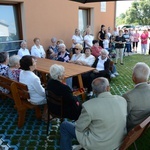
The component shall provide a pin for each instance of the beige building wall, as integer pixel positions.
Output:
(59, 18)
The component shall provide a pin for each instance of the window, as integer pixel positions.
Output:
(84, 18)
(10, 27)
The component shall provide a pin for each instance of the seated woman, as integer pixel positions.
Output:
(4, 59)
(86, 59)
(78, 48)
(37, 50)
(14, 71)
(72, 107)
(27, 76)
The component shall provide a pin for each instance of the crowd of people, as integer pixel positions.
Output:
(96, 117)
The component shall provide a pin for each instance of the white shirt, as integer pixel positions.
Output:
(22, 52)
(36, 91)
(87, 60)
(106, 43)
(100, 64)
(88, 39)
(77, 39)
(38, 52)
(76, 57)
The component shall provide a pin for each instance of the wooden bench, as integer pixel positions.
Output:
(19, 93)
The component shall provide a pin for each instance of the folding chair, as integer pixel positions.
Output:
(54, 101)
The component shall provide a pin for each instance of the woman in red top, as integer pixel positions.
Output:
(144, 40)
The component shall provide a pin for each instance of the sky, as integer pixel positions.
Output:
(122, 6)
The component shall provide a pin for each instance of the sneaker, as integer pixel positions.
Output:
(90, 93)
(76, 147)
(116, 74)
(112, 76)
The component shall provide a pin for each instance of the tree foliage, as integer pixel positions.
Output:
(138, 13)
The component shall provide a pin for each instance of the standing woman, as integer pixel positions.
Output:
(136, 36)
(88, 38)
(119, 45)
(101, 35)
(144, 41)
(37, 50)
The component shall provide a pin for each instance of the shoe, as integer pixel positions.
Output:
(112, 76)
(116, 74)
(121, 63)
(76, 147)
(90, 93)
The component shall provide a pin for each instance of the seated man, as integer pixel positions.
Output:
(102, 123)
(138, 99)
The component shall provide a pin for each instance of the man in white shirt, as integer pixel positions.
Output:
(23, 50)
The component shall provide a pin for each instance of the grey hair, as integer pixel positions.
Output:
(104, 51)
(14, 60)
(62, 45)
(56, 71)
(23, 42)
(141, 71)
(99, 85)
(53, 39)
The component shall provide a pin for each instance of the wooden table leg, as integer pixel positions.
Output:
(81, 85)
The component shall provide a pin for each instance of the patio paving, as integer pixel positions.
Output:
(32, 136)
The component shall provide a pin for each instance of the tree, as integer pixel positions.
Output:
(138, 13)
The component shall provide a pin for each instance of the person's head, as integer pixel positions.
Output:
(4, 58)
(141, 73)
(62, 47)
(23, 44)
(126, 31)
(78, 48)
(100, 85)
(120, 32)
(106, 36)
(14, 61)
(53, 41)
(36, 41)
(88, 31)
(27, 63)
(60, 42)
(95, 43)
(102, 27)
(87, 51)
(57, 72)
(104, 54)
(77, 32)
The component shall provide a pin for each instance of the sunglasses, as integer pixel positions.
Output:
(76, 49)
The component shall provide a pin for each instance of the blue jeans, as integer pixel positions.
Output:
(128, 47)
(67, 133)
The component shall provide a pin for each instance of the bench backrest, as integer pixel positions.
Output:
(134, 134)
(5, 86)
(20, 93)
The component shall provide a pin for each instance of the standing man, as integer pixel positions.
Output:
(138, 99)
(102, 123)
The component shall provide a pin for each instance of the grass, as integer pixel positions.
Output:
(33, 135)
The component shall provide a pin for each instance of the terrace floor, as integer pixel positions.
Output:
(32, 136)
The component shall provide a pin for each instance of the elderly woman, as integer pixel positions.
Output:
(72, 107)
(63, 55)
(23, 50)
(78, 48)
(88, 38)
(86, 59)
(37, 50)
(14, 71)
(4, 59)
(77, 38)
(27, 76)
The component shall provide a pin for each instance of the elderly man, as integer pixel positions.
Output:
(138, 99)
(102, 123)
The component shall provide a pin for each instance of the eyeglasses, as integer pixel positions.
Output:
(76, 49)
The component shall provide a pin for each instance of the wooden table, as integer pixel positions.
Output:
(43, 66)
